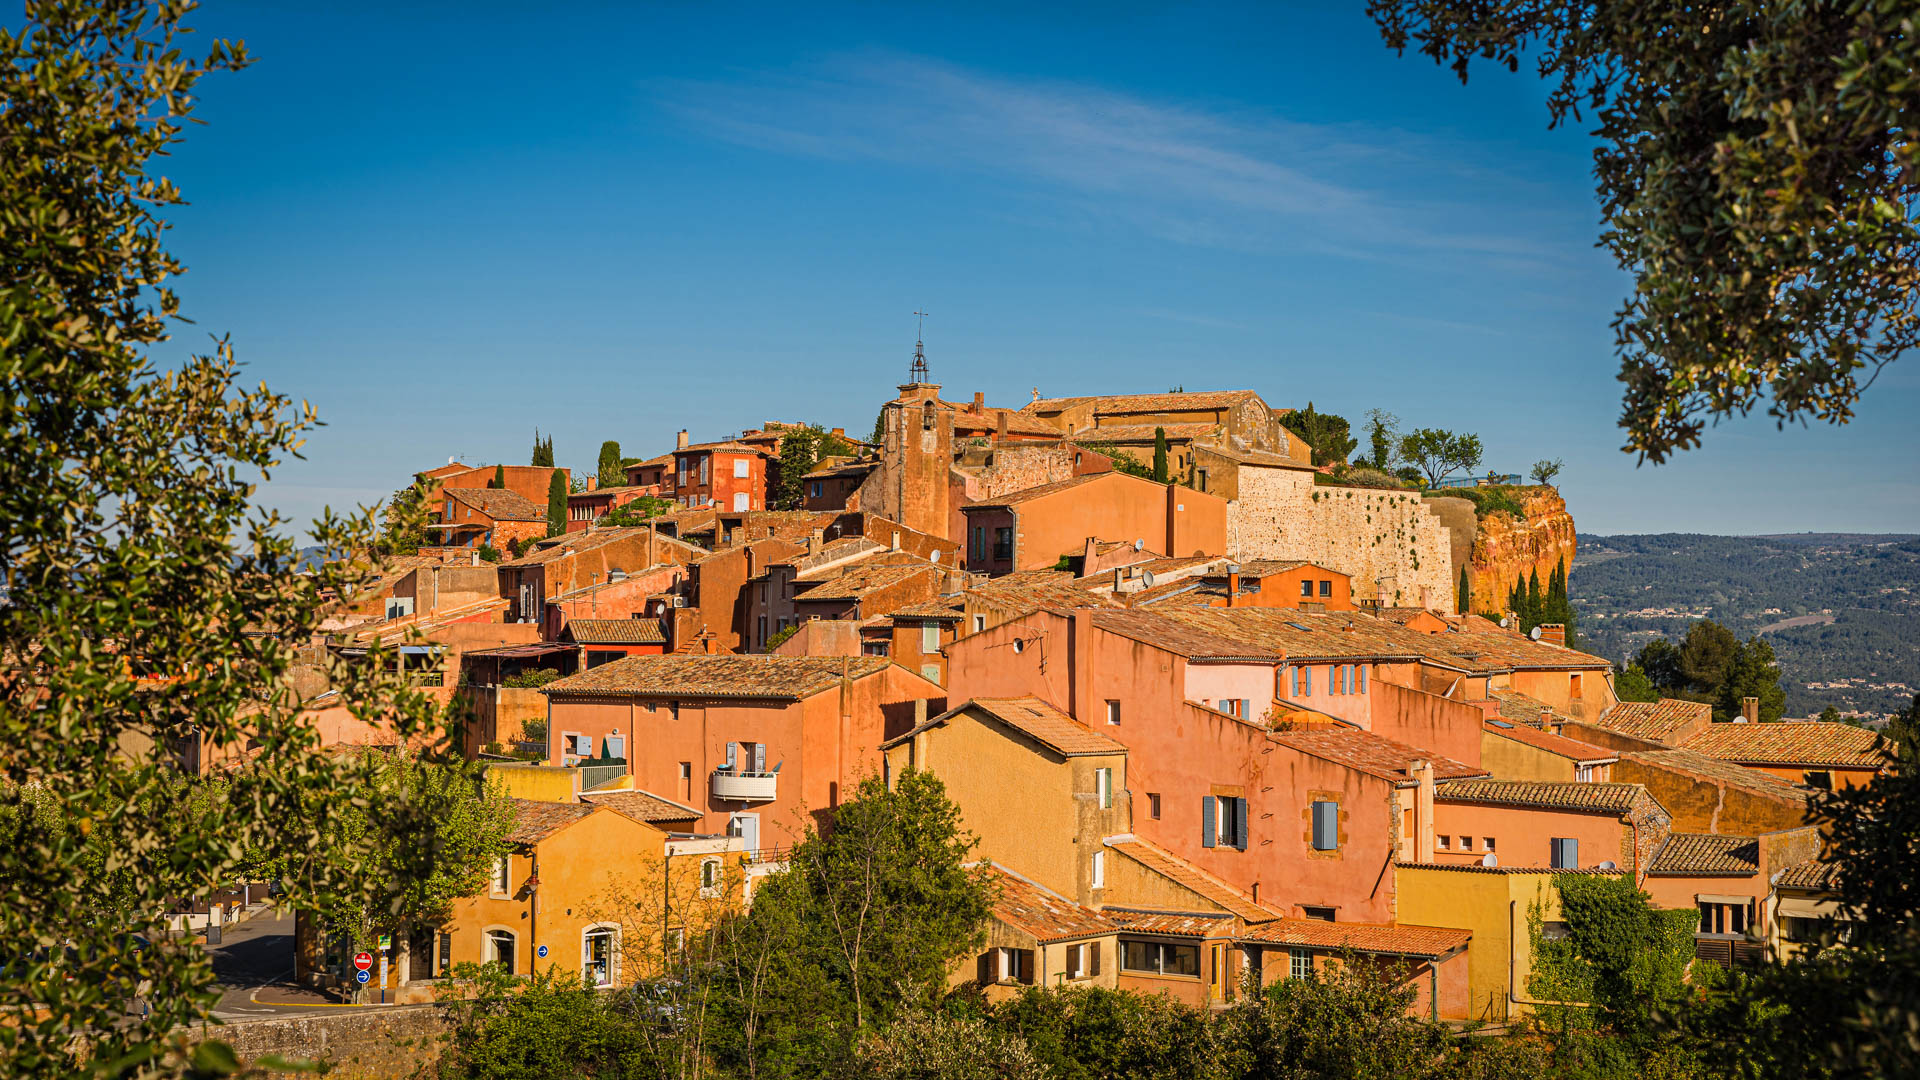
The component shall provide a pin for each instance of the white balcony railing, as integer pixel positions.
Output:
(745, 786)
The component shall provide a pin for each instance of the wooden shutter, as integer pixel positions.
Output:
(733, 754)
(759, 757)
(1026, 965)
(1240, 824)
(985, 965)
(1093, 957)
(1206, 820)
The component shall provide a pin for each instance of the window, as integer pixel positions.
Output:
(1160, 958)
(1083, 960)
(1326, 588)
(1153, 805)
(1103, 788)
(740, 468)
(1223, 822)
(979, 547)
(740, 502)
(979, 623)
(1002, 965)
(1321, 914)
(1200, 479)
(502, 883)
(1487, 843)
(577, 744)
(1565, 853)
(1442, 841)
(500, 948)
(1299, 963)
(1466, 843)
(443, 955)
(710, 877)
(815, 489)
(929, 637)
(1113, 711)
(1574, 682)
(1724, 919)
(1099, 870)
(1306, 588)
(686, 780)
(598, 951)
(1003, 543)
(1326, 825)
(1582, 774)
(703, 468)
(1820, 778)
(930, 672)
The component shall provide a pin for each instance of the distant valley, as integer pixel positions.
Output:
(1841, 610)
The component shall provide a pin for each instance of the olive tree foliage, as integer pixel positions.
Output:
(1758, 175)
(1439, 454)
(150, 613)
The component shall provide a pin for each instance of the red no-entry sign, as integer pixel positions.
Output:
(363, 961)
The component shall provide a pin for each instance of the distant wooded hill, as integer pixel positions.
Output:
(1842, 610)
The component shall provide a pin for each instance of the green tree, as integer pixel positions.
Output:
(1123, 462)
(879, 428)
(801, 450)
(130, 548)
(635, 511)
(403, 518)
(611, 473)
(1439, 454)
(1903, 731)
(1383, 439)
(1757, 175)
(867, 919)
(1660, 660)
(1751, 671)
(1159, 455)
(932, 1044)
(1534, 603)
(1088, 1033)
(1634, 684)
(1463, 594)
(1545, 471)
(557, 503)
(542, 451)
(551, 1025)
(1831, 715)
(499, 477)
(1328, 436)
(1705, 654)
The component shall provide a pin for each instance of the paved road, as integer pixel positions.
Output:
(254, 963)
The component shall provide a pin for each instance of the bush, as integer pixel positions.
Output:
(780, 636)
(1361, 476)
(489, 553)
(1486, 501)
(528, 680)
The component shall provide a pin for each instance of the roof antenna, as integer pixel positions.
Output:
(918, 372)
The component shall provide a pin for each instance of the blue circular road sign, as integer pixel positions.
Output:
(542, 950)
(363, 976)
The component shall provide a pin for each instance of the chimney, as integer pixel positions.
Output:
(1749, 710)
(979, 401)
(1001, 431)
(1233, 586)
(680, 441)
(815, 541)
(1553, 633)
(919, 711)
(1080, 666)
(896, 540)
(840, 432)
(593, 482)
(1422, 771)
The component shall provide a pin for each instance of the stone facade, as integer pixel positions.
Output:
(354, 1043)
(1388, 541)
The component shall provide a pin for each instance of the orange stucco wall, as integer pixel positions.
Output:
(1115, 506)
(1522, 835)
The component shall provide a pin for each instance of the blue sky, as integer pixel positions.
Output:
(447, 225)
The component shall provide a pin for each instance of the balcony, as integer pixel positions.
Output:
(745, 786)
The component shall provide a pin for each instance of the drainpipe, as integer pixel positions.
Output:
(533, 914)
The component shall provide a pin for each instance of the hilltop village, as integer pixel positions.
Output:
(1214, 716)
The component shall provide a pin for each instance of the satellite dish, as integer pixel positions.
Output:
(1146, 577)
(1489, 859)
(1503, 620)
(1139, 545)
(1534, 633)
(1608, 865)
(1233, 568)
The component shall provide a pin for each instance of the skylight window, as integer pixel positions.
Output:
(1297, 626)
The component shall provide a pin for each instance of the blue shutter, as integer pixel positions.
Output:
(1363, 678)
(1326, 825)
(1246, 708)
(1293, 678)
(1206, 821)
(1240, 824)
(1306, 681)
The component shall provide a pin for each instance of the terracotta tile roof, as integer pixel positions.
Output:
(1724, 772)
(1032, 717)
(1109, 404)
(1169, 923)
(616, 631)
(844, 468)
(1308, 636)
(1516, 706)
(1543, 795)
(1478, 868)
(500, 504)
(1812, 743)
(1372, 754)
(1042, 913)
(940, 607)
(574, 543)
(1040, 491)
(645, 806)
(451, 468)
(1169, 628)
(858, 580)
(1049, 726)
(781, 678)
(1258, 457)
(1142, 433)
(726, 446)
(1031, 590)
(1387, 939)
(1185, 874)
(535, 821)
(1812, 874)
(1654, 720)
(1572, 749)
(1706, 854)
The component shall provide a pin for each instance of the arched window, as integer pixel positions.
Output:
(500, 948)
(710, 877)
(600, 955)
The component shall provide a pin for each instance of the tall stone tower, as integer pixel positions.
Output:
(918, 453)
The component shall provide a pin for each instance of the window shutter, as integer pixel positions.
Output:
(1293, 681)
(759, 757)
(1246, 708)
(985, 973)
(1093, 957)
(1326, 826)
(1240, 824)
(1206, 821)
(617, 746)
(1026, 965)
(733, 755)
(1363, 678)
(1306, 681)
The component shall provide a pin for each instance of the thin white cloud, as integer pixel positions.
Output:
(1209, 177)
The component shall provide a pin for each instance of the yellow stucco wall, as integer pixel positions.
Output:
(1507, 759)
(1494, 907)
(538, 783)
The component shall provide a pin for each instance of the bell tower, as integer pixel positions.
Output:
(918, 449)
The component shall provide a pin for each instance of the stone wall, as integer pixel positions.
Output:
(367, 1043)
(1388, 541)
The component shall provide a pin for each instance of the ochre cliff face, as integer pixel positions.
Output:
(1506, 551)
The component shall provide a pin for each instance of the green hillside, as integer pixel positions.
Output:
(1841, 610)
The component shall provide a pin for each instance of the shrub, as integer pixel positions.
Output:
(1486, 501)
(489, 553)
(1362, 476)
(781, 636)
(528, 680)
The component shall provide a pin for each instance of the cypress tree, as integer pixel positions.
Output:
(611, 474)
(1463, 601)
(1159, 455)
(1534, 601)
(499, 477)
(557, 504)
(542, 450)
